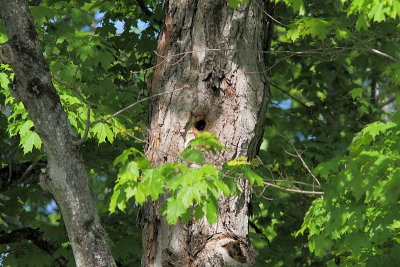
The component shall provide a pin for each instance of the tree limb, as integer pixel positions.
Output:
(20, 174)
(33, 235)
(144, 8)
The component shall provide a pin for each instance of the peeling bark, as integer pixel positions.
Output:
(66, 174)
(215, 54)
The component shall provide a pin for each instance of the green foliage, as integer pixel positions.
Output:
(334, 70)
(296, 5)
(191, 189)
(87, 59)
(357, 218)
(334, 74)
(377, 11)
(236, 3)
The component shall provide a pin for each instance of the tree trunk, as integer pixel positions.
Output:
(212, 57)
(66, 176)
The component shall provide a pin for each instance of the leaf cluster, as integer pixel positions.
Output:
(192, 186)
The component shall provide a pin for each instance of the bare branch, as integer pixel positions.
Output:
(304, 164)
(271, 182)
(286, 93)
(134, 104)
(290, 182)
(376, 51)
(269, 16)
(294, 190)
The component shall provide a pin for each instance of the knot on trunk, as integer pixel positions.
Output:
(6, 54)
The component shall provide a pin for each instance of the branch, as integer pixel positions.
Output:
(294, 190)
(304, 164)
(270, 16)
(90, 124)
(286, 93)
(28, 233)
(144, 8)
(259, 231)
(290, 182)
(33, 235)
(19, 174)
(86, 132)
(376, 51)
(134, 104)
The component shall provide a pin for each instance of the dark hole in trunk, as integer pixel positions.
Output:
(200, 125)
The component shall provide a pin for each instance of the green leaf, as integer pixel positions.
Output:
(223, 187)
(103, 131)
(174, 209)
(193, 155)
(153, 181)
(207, 141)
(189, 194)
(113, 202)
(25, 128)
(234, 3)
(356, 92)
(105, 60)
(30, 140)
(4, 81)
(116, 198)
(141, 193)
(253, 177)
(238, 162)
(375, 128)
(362, 23)
(198, 212)
(316, 27)
(377, 12)
(326, 168)
(210, 210)
(128, 172)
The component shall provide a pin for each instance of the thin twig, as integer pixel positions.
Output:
(86, 132)
(90, 124)
(286, 93)
(290, 182)
(28, 170)
(304, 163)
(134, 104)
(294, 190)
(89, 106)
(127, 133)
(269, 16)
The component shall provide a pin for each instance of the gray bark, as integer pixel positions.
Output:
(211, 55)
(66, 177)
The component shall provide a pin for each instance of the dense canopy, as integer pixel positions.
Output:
(325, 181)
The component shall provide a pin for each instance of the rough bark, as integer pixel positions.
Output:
(66, 176)
(213, 54)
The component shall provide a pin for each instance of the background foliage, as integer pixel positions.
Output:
(332, 126)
